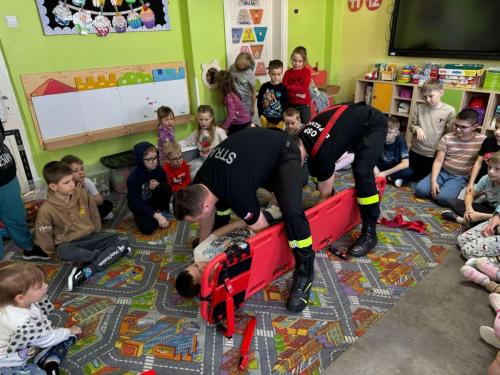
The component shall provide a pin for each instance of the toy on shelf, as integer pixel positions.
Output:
(479, 103)
(373, 73)
(387, 72)
(405, 93)
(405, 75)
(422, 74)
(462, 75)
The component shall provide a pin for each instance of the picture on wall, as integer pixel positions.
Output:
(248, 29)
(102, 17)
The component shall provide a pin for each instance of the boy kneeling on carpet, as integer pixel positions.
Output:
(68, 224)
(24, 325)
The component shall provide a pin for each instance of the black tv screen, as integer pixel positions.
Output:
(446, 28)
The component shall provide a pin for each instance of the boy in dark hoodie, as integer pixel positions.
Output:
(68, 224)
(148, 193)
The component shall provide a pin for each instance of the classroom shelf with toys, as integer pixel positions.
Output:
(400, 99)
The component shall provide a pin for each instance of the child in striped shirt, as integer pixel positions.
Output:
(457, 153)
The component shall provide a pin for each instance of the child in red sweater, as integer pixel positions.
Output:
(297, 81)
(175, 167)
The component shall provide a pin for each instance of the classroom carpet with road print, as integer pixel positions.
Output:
(133, 320)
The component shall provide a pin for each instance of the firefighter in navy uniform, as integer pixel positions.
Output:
(229, 178)
(362, 130)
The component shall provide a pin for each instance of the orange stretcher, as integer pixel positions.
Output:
(247, 267)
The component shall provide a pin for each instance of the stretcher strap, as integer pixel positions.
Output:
(328, 127)
(245, 344)
(398, 222)
(229, 329)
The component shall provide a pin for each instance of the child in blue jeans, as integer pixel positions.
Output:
(12, 211)
(456, 155)
(394, 163)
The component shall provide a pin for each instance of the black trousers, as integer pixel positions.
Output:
(286, 184)
(160, 201)
(458, 206)
(105, 208)
(367, 153)
(421, 166)
(97, 249)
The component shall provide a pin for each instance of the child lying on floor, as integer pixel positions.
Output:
(188, 281)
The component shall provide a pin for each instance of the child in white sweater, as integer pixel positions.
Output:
(24, 325)
(205, 138)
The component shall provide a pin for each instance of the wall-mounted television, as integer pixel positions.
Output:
(446, 28)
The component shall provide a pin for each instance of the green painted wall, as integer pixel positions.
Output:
(307, 28)
(26, 50)
(365, 40)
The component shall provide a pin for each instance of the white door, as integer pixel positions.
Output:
(259, 27)
(15, 135)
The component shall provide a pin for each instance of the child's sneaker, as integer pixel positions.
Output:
(76, 277)
(35, 253)
(398, 183)
(488, 335)
(108, 217)
(54, 354)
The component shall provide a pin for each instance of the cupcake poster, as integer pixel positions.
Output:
(102, 17)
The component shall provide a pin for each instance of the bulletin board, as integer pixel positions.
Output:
(83, 106)
(247, 24)
(51, 26)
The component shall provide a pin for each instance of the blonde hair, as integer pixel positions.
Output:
(205, 108)
(291, 112)
(432, 84)
(171, 148)
(495, 158)
(243, 61)
(17, 278)
(393, 123)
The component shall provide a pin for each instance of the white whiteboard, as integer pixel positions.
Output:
(163, 92)
(79, 112)
(139, 102)
(108, 113)
(59, 115)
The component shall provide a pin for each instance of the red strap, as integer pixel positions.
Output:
(229, 309)
(245, 344)
(398, 222)
(340, 109)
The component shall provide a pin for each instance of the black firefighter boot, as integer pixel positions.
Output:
(303, 277)
(365, 242)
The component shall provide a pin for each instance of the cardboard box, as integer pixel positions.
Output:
(460, 72)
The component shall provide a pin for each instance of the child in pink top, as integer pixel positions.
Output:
(238, 117)
(297, 81)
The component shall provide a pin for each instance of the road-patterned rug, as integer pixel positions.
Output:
(133, 320)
